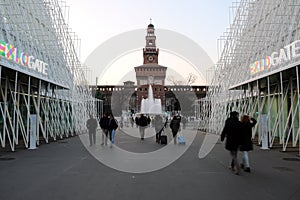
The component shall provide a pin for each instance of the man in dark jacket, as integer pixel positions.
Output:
(112, 126)
(232, 132)
(143, 123)
(91, 125)
(104, 126)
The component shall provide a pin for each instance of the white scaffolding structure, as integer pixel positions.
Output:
(61, 100)
(250, 78)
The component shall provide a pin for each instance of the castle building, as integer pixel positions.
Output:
(128, 97)
(150, 73)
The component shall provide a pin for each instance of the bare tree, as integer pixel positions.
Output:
(174, 81)
(190, 79)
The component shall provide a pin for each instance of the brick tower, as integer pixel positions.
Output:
(150, 72)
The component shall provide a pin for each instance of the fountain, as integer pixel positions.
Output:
(151, 105)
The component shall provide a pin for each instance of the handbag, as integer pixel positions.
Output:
(163, 137)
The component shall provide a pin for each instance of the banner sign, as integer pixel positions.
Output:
(12, 53)
(276, 58)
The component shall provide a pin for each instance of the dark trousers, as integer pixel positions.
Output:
(92, 137)
(234, 161)
(174, 132)
(158, 134)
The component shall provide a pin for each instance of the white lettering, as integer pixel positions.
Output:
(37, 65)
(288, 51)
(16, 58)
(282, 56)
(285, 54)
(45, 69)
(21, 58)
(13, 53)
(295, 50)
(31, 64)
(274, 60)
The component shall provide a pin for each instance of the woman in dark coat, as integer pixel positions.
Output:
(246, 140)
(232, 132)
(175, 126)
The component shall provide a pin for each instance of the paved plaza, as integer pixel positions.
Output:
(66, 170)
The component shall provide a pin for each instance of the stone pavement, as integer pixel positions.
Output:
(66, 169)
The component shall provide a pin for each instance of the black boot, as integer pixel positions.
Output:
(247, 169)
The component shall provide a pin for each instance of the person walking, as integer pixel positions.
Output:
(136, 119)
(158, 126)
(131, 121)
(91, 125)
(112, 126)
(232, 132)
(175, 125)
(149, 121)
(166, 122)
(104, 126)
(184, 121)
(246, 140)
(143, 123)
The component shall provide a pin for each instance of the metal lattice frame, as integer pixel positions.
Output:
(257, 29)
(62, 101)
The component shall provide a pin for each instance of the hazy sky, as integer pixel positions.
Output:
(95, 21)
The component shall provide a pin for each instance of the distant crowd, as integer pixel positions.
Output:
(109, 125)
(238, 133)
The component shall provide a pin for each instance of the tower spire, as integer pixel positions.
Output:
(150, 52)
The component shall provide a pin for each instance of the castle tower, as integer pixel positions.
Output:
(150, 72)
(150, 52)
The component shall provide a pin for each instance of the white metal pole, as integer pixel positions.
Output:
(269, 110)
(15, 137)
(28, 108)
(281, 132)
(298, 88)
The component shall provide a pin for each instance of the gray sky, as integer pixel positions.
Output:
(95, 21)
